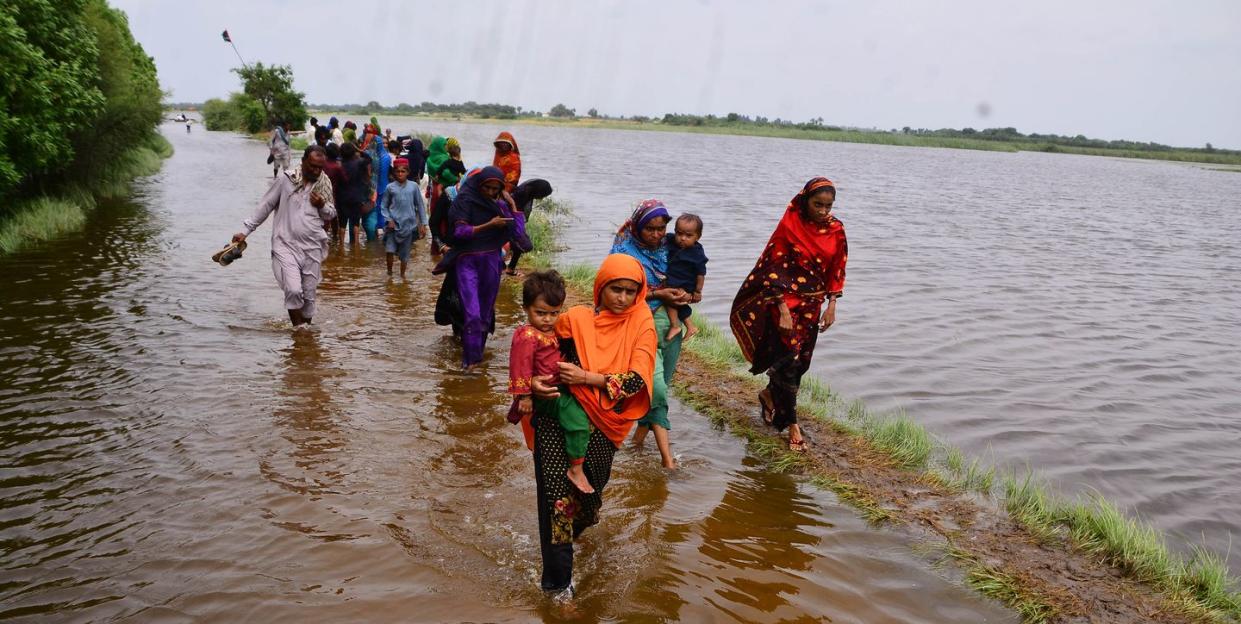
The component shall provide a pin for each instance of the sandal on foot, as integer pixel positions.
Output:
(799, 446)
(768, 412)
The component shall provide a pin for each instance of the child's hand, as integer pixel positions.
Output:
(525, 405)
(695, 297)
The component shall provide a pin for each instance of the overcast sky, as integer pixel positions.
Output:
(1165, 71)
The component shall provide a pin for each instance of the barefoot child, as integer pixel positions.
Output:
(535, 353)
(406, 216)
(687, 269)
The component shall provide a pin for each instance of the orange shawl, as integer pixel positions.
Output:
(509, 163)
(612, 344)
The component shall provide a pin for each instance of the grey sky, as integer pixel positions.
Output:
(1166, 71)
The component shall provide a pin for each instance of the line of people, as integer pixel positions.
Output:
(584, 380)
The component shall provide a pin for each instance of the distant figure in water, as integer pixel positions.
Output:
(508, 159)
(607, 350)
(779, 311)
(302, 201)
(279, 144)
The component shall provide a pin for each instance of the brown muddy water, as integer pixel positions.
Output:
(170, 451)
(1073, 314)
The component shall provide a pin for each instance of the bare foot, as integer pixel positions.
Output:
(670, 463)
(577, 477)
(691, 332)
(672, 332)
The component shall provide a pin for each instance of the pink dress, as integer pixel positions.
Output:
(532, 354)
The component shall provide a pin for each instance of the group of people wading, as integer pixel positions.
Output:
(608, 364)
(584, 379)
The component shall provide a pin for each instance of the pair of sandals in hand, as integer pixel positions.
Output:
(798, 445)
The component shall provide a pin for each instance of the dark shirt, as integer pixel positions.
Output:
(357, 183)
(684, 265)
(336, 174)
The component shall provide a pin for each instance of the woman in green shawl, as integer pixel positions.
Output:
(445, 171)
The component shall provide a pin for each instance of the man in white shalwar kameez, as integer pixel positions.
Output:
(302, 201)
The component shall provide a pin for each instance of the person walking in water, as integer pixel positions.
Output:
(279, 143)
(302, 201)
(406, 216)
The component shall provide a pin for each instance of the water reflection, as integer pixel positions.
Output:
(307, 417)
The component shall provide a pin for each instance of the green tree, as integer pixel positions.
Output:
(593, 113)
(130, 87)
(272, 87)
(49, 87)
(560, 110)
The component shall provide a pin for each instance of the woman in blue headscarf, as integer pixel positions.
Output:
(642, 237)
(481, 220)
(381, 162)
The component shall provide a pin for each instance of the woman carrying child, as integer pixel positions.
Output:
(642, 238)
(606, 373)
(779, 311)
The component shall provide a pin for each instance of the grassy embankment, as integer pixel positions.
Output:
(38, 219)
(1197, 587)
(853, 136)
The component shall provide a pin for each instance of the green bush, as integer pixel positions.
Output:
(241, 113)
(81, 104)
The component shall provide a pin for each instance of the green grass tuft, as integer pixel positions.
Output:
(39, 220)
(905, 441)
(1007, 589)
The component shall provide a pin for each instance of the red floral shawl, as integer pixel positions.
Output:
(803, 263)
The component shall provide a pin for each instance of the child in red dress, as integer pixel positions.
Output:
(536, 352)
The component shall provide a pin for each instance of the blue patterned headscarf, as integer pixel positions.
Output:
(654, 260)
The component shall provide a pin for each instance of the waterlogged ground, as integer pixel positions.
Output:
(1079, 315)
(172, 452)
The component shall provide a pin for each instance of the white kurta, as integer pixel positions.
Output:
(298, 241)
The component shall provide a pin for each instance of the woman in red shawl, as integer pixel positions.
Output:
(508, 159)
(779, 311)
(607, 366)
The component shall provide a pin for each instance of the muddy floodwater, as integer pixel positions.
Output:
(171, 451)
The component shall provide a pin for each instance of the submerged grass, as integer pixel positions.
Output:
(35, 220)
(1199, 585)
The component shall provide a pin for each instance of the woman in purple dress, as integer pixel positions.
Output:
(481, 221)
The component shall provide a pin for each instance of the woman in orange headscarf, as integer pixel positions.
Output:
(779, 311)
(606, 373)
(508, 159)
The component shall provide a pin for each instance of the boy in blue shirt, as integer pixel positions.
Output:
(406, 216)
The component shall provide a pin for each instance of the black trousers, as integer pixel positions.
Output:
(563, 511)
(784, 380)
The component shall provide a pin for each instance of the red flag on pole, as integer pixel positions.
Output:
(226, 38)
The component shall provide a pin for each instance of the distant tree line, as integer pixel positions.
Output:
(77, 92)
(1007, 135)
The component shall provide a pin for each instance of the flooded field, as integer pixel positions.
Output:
(1077, 315)
(172, 452)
